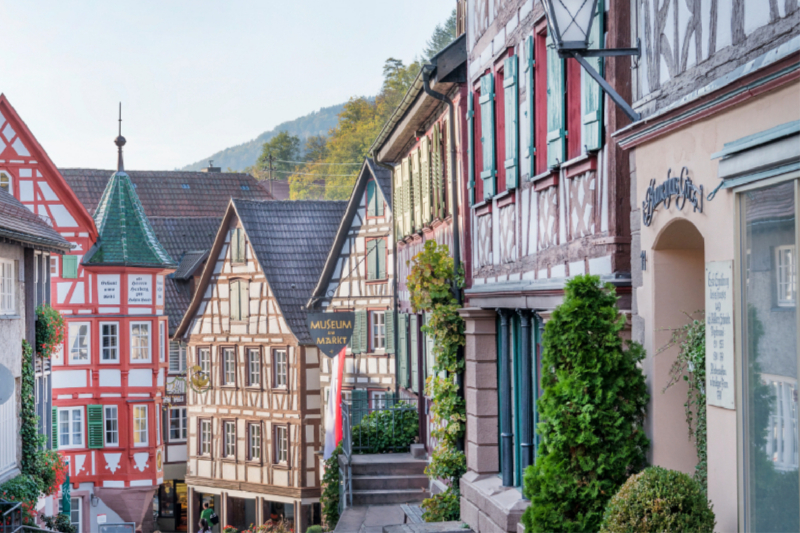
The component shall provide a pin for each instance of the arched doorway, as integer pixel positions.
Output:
(678, 272)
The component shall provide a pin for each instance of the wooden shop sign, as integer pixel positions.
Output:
(331, 331)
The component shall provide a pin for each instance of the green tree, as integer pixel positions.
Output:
(443, 35)
(592, 412)
(283, 147)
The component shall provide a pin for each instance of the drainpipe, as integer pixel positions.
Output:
(426, 77)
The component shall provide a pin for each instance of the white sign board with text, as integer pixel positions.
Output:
(140, 289)
(108, 289)
(159, 290)
(719, 334)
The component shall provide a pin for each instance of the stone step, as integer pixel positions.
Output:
(389, 464)
(431, 527)
(383, 497)
(382, 482)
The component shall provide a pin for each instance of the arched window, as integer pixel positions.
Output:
(6, 183)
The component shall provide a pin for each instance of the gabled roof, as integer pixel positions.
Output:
(291, 240)
(383, 177)
(189, 263)
(59, 186)
(18, 224)
(126, 237)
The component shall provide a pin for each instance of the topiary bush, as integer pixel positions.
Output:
(658, 500)
(592, 411)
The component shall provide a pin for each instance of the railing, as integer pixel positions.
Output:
(380, 427)
(11, 520)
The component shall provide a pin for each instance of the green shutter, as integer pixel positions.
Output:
(378, 201)
(416, 190)
(358, 342)
(372, 270)
(556, 136)
(234, 301)
(94, 419)
(397, 199)
(54, 432)
(425, 178)
(529, 63)
(511, 98)
(371, 209)
(69, 267)
(414, 352)
(406, 197)
(364, 331)
(402, 350)
(380, 251)
(436, 173)
(388, 320)
(489, 172)
(591, 91)
(360, 405)
(471, 148)
(430, 357)
(391, 399)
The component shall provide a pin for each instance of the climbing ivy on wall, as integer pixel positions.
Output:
(430, 284)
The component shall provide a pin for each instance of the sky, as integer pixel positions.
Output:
(196, 76)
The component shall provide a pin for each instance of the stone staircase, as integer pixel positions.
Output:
(384, 479)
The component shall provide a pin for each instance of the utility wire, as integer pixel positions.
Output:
(313, 174)
(314, 163)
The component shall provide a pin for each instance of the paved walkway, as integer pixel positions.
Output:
(369, 518)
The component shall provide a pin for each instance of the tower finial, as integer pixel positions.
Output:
(120, 142)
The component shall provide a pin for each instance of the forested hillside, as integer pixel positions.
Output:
(246, 154)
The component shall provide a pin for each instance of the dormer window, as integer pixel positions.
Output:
(184, 185)
(245, 187)
(6, 183)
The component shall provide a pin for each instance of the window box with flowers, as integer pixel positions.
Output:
(50, 330)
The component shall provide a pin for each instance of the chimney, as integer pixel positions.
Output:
(211, 167)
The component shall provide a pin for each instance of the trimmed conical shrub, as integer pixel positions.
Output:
(592, 411)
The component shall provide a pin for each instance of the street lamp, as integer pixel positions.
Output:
(570, 22)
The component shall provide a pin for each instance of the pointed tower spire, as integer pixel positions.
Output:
(120, 142)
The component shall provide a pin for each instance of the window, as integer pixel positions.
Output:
(70, 427)
(157, 413)
(280, 368)
(205, 437)
(140, 342)
(378, 330)
(376, 259)
(378, 399)
(140, 425)
(5, 183)
(177, 357)
(204, 361)
(374, 200)
(53, 265)
(281, 445)
(109, 342)
(254, 367)
(9, 418)
(177, 423)
(162, 336)
(75, 512)
(79, 334)
(7, 288)
(111, 425)
(240, 299)
(69, 267)
(229, 366)
(238, 246)
(787, 276)
(230, 439)
(254, 442)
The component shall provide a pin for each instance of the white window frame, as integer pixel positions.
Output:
(177, 353)
(116, 345)
(10, 181)
(88, 337)
(377, 399)
(280, 368)
(8, 288)
(181, 426)
(206, 431)
(205, 366)
(225, 370)
(782, 443)
(149, 346)
(250, 362)
(162, 338)
(76, 504)
(106, 430)
(70, 429)
(254, 441)
(281, 445)
(137, 432)
(377, 331)
(786, 275)
(229, 436)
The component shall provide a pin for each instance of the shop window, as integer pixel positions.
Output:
(769, 358)
(109, 342)
(7, 288)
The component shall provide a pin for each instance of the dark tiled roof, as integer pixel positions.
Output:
(164, 193)
(125, 234)
(291, 241)
(19, 224)
(177, 297)
(189, 263)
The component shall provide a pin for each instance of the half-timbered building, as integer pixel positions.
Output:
(359, 276)
(422, 142)
(254, 406)
(548, 200)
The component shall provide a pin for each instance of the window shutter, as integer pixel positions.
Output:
(402, 350)
(371, 211)
(94, 419)
(397, 199)
(556, 145)
(436, 173)
(69, 267)
(244, 300)
(54, 430)
(425, 178)
(242, 246)
(414, 352)
(488, 174)
(529, 63)
(234, 245)
(234, 301)
(372, 270)
(359, 329)
(407, 224)
(416, 191)
(380, 251)
(592, 93)
(471, 148)
(364, 330)
(360, 405)
(511, 99)
(391, 399)
(378, 201)
(430, 356)
(389, 321)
